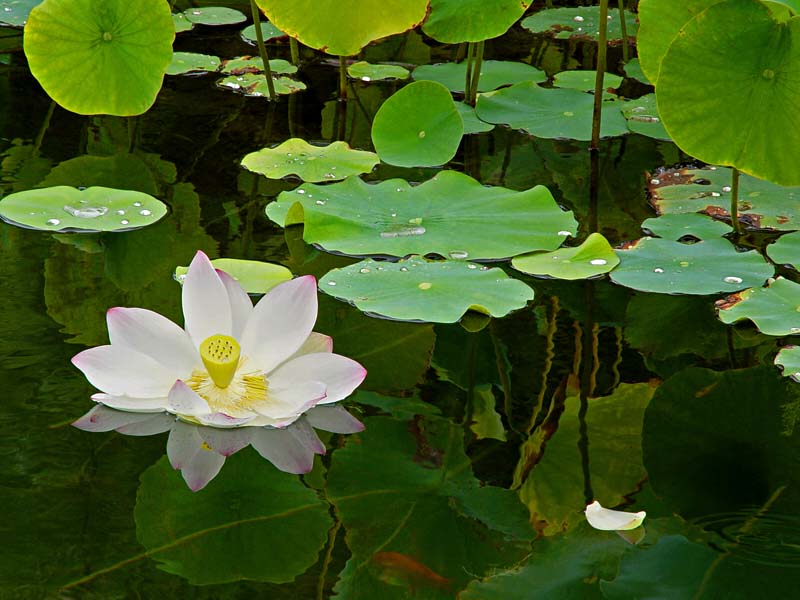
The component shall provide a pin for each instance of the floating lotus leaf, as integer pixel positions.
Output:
(775, 309)
(786, 251)
(181, 23)
(549, 113)
(100, 57)
(494, 74)
(15, 12)
(633, 70)
(709, 266)
(310, 163)
(339, 29)
(420, 290)
(675, 227)
(456, 21)
(762, 205)
(788, 359)
(642, 117)
(754, 89)
(254, 64)
(254, 84)
(472, 124)
(191, 62)
(214, 15)
(268, 31)
(584, 80)
(579, 23)
(63, 208)
(368, 72)
(254, 276)
(418, 126)
(593, 257)
(451, 215)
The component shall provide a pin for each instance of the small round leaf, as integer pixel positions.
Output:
(254, 276)
(456, 21)
(775, 309)
(593, 257)
(368, 72)
(191, 62)
(494, 74)
(214, 15)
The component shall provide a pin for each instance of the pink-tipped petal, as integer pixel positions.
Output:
(206, 308)
(333, 418)
(241, 305)
(291, 401)
(281, 322)
(219, 419)
(101, 418)
(340, 374)
(226, 441)
(283, 449)
(305, 434)
(183, 400)
(143, 405)
(315, 342)
(156, 336)
(183, 443)
(120, 371)
(202, 468)
(154, 425)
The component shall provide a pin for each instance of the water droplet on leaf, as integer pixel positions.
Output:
(732, 279)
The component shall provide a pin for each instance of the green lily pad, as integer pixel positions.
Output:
(456, 21)
(579, 23)
(675, 227)
(472, 124)
(181, 23)
(254, 64)
(642, 117)
(584, 80)
(268, 30)
(63, 208)
(754, 89)
(15, 12)
(310, 163)
(775, 309)
(420, 290)
(549, 113)
(214, 15)
(494, 74)
(762, 205)
(418, 126)
(788, 359)
(368, 72)
(255, 85)
(328, 26)
(709, 266)
(191, 62)
(786, 251)
(94, 58)
(254, 276)
(452, 215)
(592, 258)
(633, 70)
(215, 537)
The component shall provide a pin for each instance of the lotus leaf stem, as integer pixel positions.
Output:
(468, 82)
(37, 144)
(624, 27)
(262, 49)
(737, 227)
(294, 48)
(602, 47)
(342, 79)
(476, 73)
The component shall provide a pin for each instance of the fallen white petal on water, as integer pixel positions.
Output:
(612, 520)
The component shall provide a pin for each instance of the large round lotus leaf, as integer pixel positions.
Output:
(774, 309)
(549, 113)
(100, 57)
(593, 257)
(584, 80)
(191, 62)
(706, 267)
(254, 84)
(472, 124)
(310, 163)
(788, 359)
(642, 117)
(418, 126)
(451, 215)
(343, 27)
(254, 276)
(420, 290)
(214, 15)
(762, 205)
(15, 12)
(494, 74)
(675, 227)
(268, 30)
(254, 64)
(368, 72)
(455, 21)
(755, 90)
(579, 22)
(63, 208)
(786, 251)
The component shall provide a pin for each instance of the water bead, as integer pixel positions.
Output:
(598, 262)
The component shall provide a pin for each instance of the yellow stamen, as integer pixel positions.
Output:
(220, 354)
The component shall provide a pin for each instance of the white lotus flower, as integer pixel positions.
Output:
(233, 366)
(612, 520)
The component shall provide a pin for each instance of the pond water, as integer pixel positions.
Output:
(481, 448)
